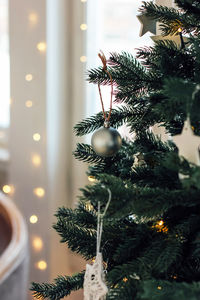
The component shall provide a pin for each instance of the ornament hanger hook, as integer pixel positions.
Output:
(104, 62)
(196, 90)
(109, 199)
(100, 219)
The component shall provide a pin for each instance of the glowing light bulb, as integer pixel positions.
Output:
(7, 189)
(159, 288)
(33, 18)
(88, 206)
(39, 192)
(92, 178)
(29, 77)
(83, 58)
(41, 265)
(36, 137)
(37, 243)
(41, 46)
(160, 223)
(180, 30)
(33, 219)
(36, 160)
(83, 26)
(29, 103)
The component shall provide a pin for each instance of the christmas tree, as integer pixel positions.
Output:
(151, 233)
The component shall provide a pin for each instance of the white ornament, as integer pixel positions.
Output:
(147, 24)
(188, 144)
(94, 284)
(94, 279)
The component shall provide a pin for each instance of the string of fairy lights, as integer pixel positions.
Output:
(35, 158)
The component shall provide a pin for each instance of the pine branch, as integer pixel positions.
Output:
(164, 290)
(123, 68)
(62, 287)
(81, 215)
(153, 202)
(189, 6)
(98, 75)
(145, 202)
(167, 59)
(86, 153)
(171, 18)
(131, 247)
(119, 116)
(126, 64)
(148, 142)
(130, 77)
(77, 237)
(123, 290)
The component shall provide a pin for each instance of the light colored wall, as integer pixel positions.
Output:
(57, 92)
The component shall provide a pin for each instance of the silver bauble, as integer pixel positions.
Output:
(106, 141)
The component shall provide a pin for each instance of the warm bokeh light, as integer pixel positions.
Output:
(41, 46)
(92, 178)
(39, 192)
(41, 265)
(89, 206)
(29, 77)
(36, 160)
(7, 189)
(160, 226)
(33, 18)
(36, 137)
(33, 219)
(37, 243)
(83, 0)
(159, 288)
(180, 30)
(29, 103)
(83, 58)
(83, 26)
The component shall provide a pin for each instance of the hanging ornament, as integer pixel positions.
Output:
(147, 24)
(94, 285)
(106, 141)
(94, 280)
(187, 142)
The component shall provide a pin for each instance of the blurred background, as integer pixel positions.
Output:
(46, 48)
